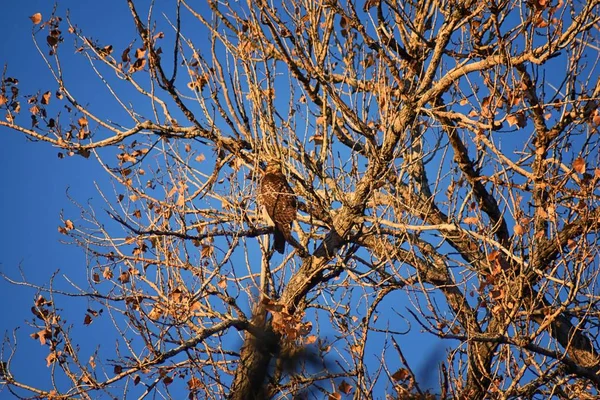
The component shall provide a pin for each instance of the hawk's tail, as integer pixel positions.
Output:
(279, 239)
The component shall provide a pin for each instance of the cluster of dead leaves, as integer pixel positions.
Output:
(54, 37)
(49, 330)
(180, 306)
(290, 326)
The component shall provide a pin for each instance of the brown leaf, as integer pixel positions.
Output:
(105, 51)
(310, 339)
(167, 380)
(36, 18)
(401, 375)
(46, 97)
(87, 319)
(82, 121)
(3, 99)
(117, 369)
(579, 165)
(124, 277)
(42, 335)
(334, 396)
(517, 119)
(96, 277)
(52, 41)
(107, 273)
(519, 230)
(206, 251)
(345, 387)
(69, 225)
(138, 65)
(471, 220)
(317, 138)
(141, 52)
(52, 357)
(223, 283)
(194, 384)
(125, 55)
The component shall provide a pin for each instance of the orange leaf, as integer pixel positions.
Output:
(107, 273)
(46, 97)
(222, 283)
(471, 220)
(52, 357)
(517, 119)
(345, 387)
(310, 339)
(194, 384)
(579, 165)
(400, 375)
(519, 230)
(36, 18)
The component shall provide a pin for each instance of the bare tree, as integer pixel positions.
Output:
(444, 156)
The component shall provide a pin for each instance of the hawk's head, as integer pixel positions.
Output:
(273, 167)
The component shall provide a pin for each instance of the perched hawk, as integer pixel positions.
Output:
(279, 203)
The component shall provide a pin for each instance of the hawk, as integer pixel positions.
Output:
(280, 205)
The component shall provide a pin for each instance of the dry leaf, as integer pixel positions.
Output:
(124, 277)
(519, 230)
(36, 18)
(107, 273)
(310, 339)
(471, 220)
(579, 165)
(46, 97)
(345, 387)
(401, 375)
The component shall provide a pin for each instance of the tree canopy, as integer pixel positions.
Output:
(444, 156)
